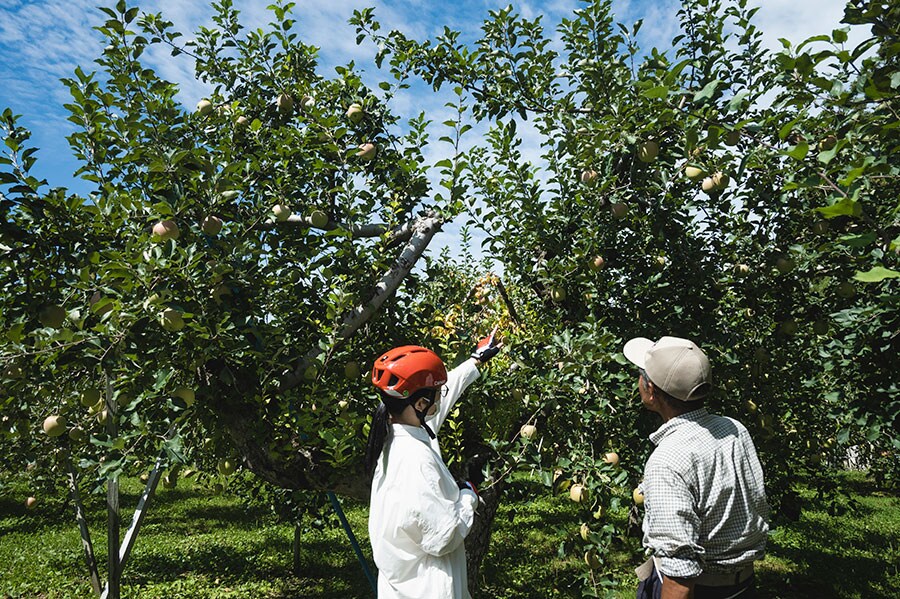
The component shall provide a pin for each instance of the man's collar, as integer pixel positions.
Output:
(668, 427)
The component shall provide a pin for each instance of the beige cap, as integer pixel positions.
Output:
(675, 365)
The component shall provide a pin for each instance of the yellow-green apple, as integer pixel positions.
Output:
(351, 370)
(585, 531)
(367, 151)
(741, 270)
(751, 406)
(693, 173)
(89, 397)
(597, 263)
(226, 466)
(528, 430)
(732, 138)
(846, 290)
(229, 195)
(820, 327)
(77, 434)
(52, 316)
(355, 113)
(788, 328)
(30, 502)
(186, 394)
(166, 229)
(281, 212)
(618, 210)
(578, 493)
(241, 121)
(592, 559)
(204, 107)
(518, 395)
(170, 319)
(54, 425)
(637, 496)
(611, 458)
(318, 219)
(828, 143)
(784, 264)
(558, 294)
(285, 104)
(211, 225)
(660, 262)
(589, 177)
(648, 151)
(342, 404)
(311, 372)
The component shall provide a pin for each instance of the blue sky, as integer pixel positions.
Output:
(43, 41)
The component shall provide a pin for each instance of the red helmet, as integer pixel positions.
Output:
(404, 370)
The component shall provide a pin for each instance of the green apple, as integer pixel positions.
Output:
(558, 294)
(820, 327)
(351, 370)
(732, 138)
(527, 431)
(367, 152)
(597, 263)
(648, 151)
(30, 503)
(211, 225)
(89, 397)
(186, 394)
(54, 425)
(846, 290)
(637, 496)
(589, 177)
(592, 559)
(204, 107)
(166, 229)
(578, 493)
(828, 143)
(784, 264)
(77, 434)
(355, 113)
(788, 328)
(226, 467)
(12, 371)
(241, 121)
(318, 219)
(693, 173)
(518, 395)
(585, 531)
(741, 270)
(281, 212)
(618, 210)
(52, 316)
(311, 372)
(171, 320)
(611, 458)
(220, 292)
(285, 104)
(820, 227)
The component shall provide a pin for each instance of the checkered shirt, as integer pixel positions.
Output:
(705, 502)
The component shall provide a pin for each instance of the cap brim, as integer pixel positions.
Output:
(636, 350)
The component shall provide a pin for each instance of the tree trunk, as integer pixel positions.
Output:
(479, 539)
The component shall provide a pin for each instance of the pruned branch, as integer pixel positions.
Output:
(421, 232)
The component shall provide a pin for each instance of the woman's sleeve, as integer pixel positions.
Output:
(458, 380)
(443, 519)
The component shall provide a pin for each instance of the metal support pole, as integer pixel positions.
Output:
(82, 525)
(335, 504)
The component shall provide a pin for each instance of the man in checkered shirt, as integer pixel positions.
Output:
(705, 502)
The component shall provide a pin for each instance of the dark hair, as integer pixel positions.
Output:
(380, 430)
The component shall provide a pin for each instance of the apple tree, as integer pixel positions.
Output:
(713, 189)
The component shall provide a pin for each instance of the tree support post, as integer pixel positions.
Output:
(335, 504)
(114, 576)
(82, 525)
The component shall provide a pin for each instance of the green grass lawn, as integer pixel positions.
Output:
(197, 544)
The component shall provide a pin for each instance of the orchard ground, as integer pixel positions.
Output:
(199, 544)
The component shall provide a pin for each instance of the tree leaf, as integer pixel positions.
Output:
(876, 275)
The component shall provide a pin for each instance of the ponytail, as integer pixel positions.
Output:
(379, 434)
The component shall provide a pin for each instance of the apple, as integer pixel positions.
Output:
(784, 265)
(241, 121)
(12, 371)
(166, 229)
(527, 431)
(170, 480)
(611, 458)
(229, 195)
(578, 493)
(741, 270)
(351, 370)
(828, 143)
(218, 488)
(600, 513)
(820, 327)
(102, 415)
(52, 317)
(693, 173)
(186, 394)
(204, 107)
(220, 292)
(54, 425)
(226, 467)
(715, 182)
(589, 177)
(660, 262)
(343, 404)
(846, 290)
(285, 104)
(585, 531)
(211, 225)
(820, 227)
(732, 138)
(89, 397)
(788, 328)
(518, 395)
(597, 263)
(355, 113)
(558, 294)
(318, 219)
(171, 320)
(367, 151)
(648, 151)
(751, 406)
(592, 559)
(77, 434)
(637, 496)
(30, 503)
(311, 372)
(618, 210)
(281, 212)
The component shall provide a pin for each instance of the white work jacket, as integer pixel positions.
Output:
(418, 517)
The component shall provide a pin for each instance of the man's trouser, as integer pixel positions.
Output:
(651, 588)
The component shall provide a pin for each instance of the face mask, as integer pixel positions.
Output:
(437, 405)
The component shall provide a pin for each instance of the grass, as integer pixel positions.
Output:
(198, 544)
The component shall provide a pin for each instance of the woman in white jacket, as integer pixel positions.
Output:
(419, 515)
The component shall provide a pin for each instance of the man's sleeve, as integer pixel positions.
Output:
(443, 521)
(671, 523)
(458, 380)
